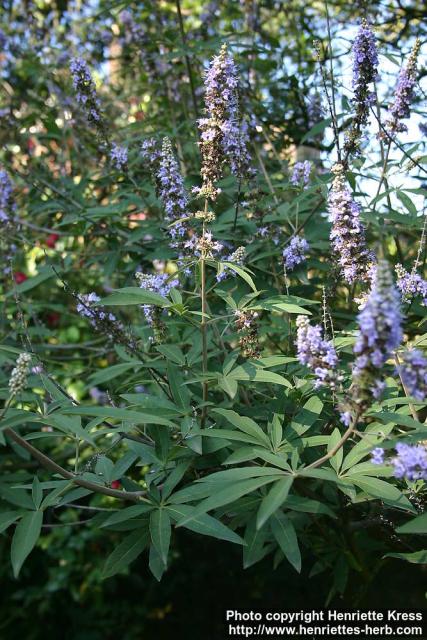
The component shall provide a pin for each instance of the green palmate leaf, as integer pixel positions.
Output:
(127, 513)
(204, 524)
(172, 352)
(280, 303)
(243, 274)
(7, 518)
(126, 552)
(134, 295)
(26, 534)
(284, 532)
(273, 500)
(175, 477)
(160, 531)
(336, 460)
(155, 563)
(250, 372)
(230, 493)
(383, 490)
(417, 525)
(245, 424)
(241, 473)
(112, 372)
(128, 415)
(417, 557)
(255, 548)
(398, 418)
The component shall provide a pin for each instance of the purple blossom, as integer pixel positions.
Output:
(348, 233)
(236, 257)
(377, 455)
(410, 462)
(404, 93)
(223, 133)
(7, 204)
(293, 254)
(156, 283)
(380, 332)
(316, 352)
(365, 65)
(423, 128)
(413, 372)
(86, 91)
(87, 307)
(411, 284)
(118, 156)
(172, 191)
(301, 174)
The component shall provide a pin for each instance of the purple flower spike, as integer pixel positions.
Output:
(293, 254)
(414, 373)
(348, 233)
(380, 332)
(316, 353)
(404, 93)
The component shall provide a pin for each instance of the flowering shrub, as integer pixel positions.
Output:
(214, 333)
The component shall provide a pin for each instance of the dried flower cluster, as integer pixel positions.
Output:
(18, 377)
(247, 326)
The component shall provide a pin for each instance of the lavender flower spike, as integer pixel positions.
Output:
(348, 233)
(301, 174)
(380, 332)
(317, 353)
(86, 92)
(119, 156)
(411, 284)
(7, 205)
(413, 372)
(404, 93)
(293, 254)
(172, 191)
(365, 65)
(223, 133)
(410, 461)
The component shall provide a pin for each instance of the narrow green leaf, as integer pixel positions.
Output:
(417, 525)
(160, 531)
(245, 424)
(134, 295)
(273, 500)
(204, 524)
(284, 532)
(24, 538)
(126, 552)
(7, 518)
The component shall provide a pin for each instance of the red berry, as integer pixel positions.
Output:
(115, 484)
(52, 319)
(20, 277)
(51, 240)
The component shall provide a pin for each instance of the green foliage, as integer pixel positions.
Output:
(139, 433)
